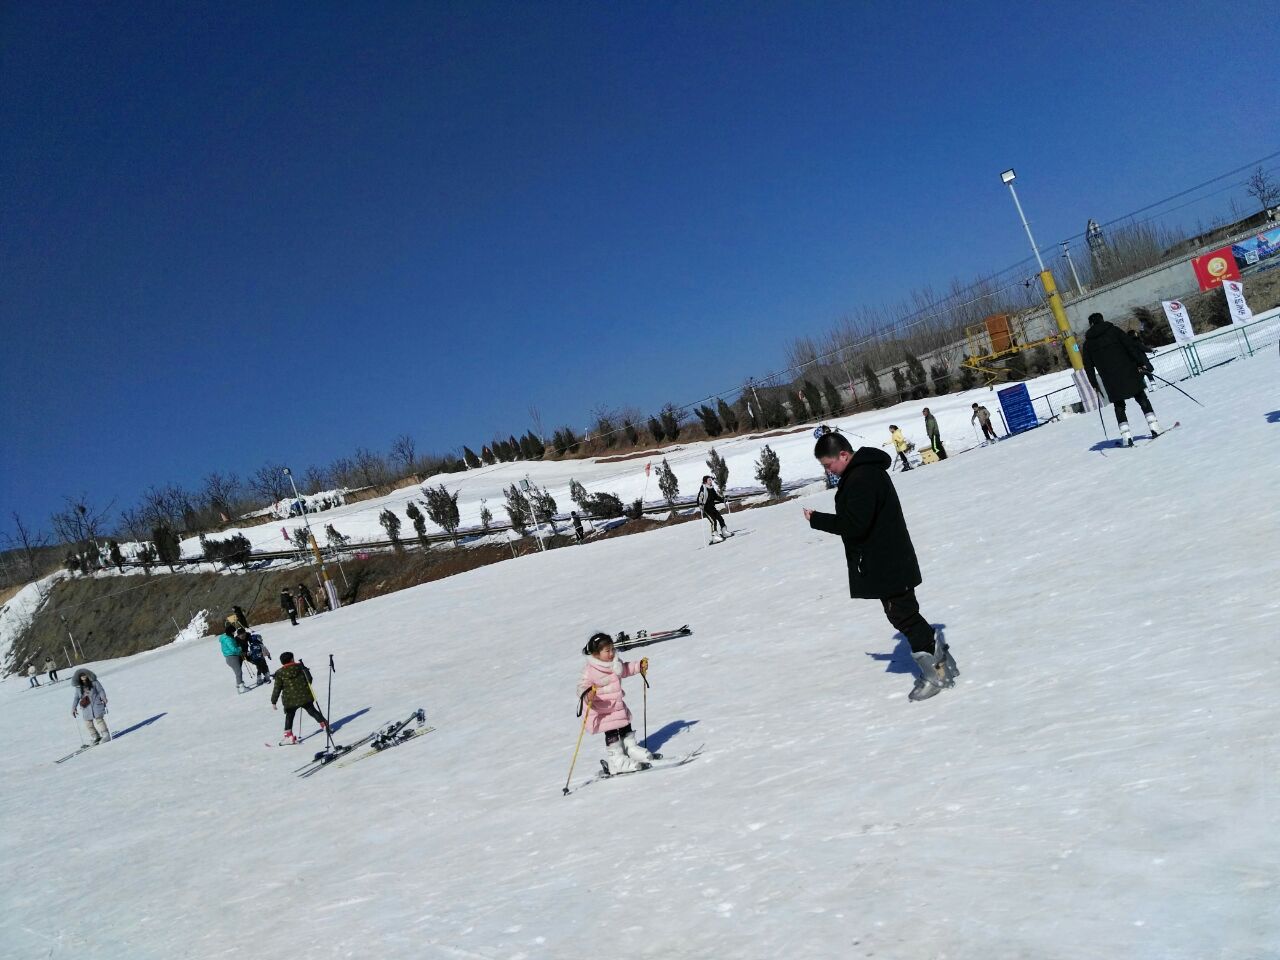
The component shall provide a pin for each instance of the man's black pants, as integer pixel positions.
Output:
(903, 611)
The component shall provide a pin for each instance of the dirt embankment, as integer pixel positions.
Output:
(117, 616)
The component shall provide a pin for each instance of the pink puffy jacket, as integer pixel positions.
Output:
(608, 709)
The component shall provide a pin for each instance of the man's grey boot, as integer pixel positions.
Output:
(929, 683)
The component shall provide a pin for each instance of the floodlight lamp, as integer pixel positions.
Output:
(1007, 176)
(286, 471)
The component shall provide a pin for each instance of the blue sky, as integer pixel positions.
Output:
(234, 233)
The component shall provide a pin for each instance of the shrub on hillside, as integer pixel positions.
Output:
(391, 523)
(668, 483)
(442, 508)
(719, 469)
(769, 471)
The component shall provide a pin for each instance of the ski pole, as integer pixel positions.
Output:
(646, 704)
(328, 707)
(1104, 425)
(1178, 388)
(590, 695)
(79, 733)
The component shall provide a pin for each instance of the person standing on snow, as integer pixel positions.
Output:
(256, 652)
(1121, 363)
(708, 497)
(233, 653)
(32, 679)
(92, 700)
(935, 435)
(51, 669)
(577, 526)
(288, 606)
(983, 416)
(240, 615)
(901, 444)
(881, 558)
(293, 682)
(600, 693)
(306, 602)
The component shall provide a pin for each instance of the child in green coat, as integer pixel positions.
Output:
(293, 681)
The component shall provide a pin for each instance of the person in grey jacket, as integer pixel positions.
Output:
(91, 699)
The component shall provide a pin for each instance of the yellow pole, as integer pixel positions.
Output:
(591, 695)
(1060, 316)
(324, 571)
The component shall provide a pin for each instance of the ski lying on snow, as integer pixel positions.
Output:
(402, 738)
(1148, 439)
(658, 765)
(384, 735)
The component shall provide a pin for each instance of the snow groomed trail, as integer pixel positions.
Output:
(1101, 782)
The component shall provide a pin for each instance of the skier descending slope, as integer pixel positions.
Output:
(293, 679)
(1121, 362)
(708, 497)
(882, 561)
(602, 678)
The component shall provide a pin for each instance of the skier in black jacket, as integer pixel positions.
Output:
(878, 549)
(1120, 361)
(288, 605)
(708, 497)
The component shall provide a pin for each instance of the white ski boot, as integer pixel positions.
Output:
(631, 747)
(1153, 424)
(1126, 435)
(619, 762)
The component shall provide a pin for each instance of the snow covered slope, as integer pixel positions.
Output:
(1100, 783)
(359, 521)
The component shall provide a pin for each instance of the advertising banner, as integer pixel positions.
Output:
(1236, 303)
(1019, 413)
(1214, 267)
(1256, 249)
(1179, 320)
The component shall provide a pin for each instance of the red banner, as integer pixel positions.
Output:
(1212, 268)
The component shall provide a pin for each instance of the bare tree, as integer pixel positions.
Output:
(1262, 188)
(28, 543)
(404, 451)
(269, 482)
(221, 493)
(168, 505)
(371, 468)
(314, 480)
(79, 525)
(133, 525)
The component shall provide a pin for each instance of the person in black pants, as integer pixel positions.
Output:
(306, 600)
(1120, 362)
(288, 606)
(708, 497)
(878, 549)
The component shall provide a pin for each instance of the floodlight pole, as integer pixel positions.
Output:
(1086, 391)
(330, 591)
(1066, 252)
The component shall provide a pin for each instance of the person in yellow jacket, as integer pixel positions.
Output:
(900, 444)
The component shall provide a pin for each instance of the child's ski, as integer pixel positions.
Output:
(660, 765)
(75, 753)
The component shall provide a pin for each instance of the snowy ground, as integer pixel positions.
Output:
(359, 521)
(1101, 782)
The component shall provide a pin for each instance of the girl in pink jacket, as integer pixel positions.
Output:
(600, 692)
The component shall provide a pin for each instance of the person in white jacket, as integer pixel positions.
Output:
(91, 700)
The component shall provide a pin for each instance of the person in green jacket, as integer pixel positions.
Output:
(293, 681)
(935, 435)
(233, 653)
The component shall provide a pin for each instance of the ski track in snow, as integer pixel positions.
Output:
(1100, 782)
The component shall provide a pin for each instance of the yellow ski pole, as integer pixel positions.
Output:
(591, 693)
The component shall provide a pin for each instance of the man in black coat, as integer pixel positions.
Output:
(878, 549)
(288, 605)
(1120, 361)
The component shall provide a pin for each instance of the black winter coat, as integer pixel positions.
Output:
(1116, 358)
(877, 547)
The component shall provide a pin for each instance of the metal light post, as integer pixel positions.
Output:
(330, 591)
(1066, 253)
(1087, 394)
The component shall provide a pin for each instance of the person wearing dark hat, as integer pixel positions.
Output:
(878, 549)
(935, 435)
(293, 682)
(1120, 363)
(288, 605)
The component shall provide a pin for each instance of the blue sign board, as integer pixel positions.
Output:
(1019, 413)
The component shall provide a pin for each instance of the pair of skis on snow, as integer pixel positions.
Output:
(76, 753)
(659, 763)
(383, 738)
(1148, 439)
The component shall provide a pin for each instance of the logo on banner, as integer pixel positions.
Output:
(1236, 303)
(1175, 312)
(1212, 268)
